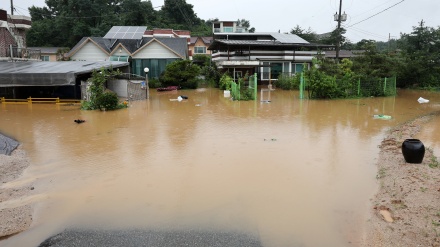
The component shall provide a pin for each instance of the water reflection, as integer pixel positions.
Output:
(286, 171)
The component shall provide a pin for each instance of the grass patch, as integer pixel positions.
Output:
(434, 162)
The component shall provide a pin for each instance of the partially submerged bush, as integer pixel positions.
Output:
(181, 73)
(107, 101)
(225, 82)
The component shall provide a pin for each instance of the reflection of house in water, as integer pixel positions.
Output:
(268, 54)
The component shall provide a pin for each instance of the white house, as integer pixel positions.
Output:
(134, 45)
(267, 54)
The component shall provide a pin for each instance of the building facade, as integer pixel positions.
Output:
(268, 54)
(153, 49)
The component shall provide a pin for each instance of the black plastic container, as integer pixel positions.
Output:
(413, 151)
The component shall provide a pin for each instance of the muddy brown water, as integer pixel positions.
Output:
(291, 172)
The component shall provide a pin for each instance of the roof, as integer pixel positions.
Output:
(205, 40)
(285, 38)
(221, 43)
(49, 73)
(178, 45)
(47, 50)
(344, 53)
(125, 32)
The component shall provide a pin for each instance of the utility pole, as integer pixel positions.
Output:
(12, 7)
(338, 40)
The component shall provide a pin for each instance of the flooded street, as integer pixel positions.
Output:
(290, 172)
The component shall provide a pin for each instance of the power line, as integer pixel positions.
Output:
(368, 33)
(377, 13)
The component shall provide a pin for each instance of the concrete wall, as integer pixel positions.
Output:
(119, 87)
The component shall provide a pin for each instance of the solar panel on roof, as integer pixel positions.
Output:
(288, 38)
(126, 32)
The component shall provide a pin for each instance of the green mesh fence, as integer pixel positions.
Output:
(362, 87)
(245, 90)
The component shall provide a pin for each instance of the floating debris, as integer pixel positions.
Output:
(380, 116)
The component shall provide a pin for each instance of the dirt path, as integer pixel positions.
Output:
(406, 209)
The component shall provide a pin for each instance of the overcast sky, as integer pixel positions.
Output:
(364, 21)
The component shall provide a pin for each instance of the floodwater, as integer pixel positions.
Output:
(291, 172)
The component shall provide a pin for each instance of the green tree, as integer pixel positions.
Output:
(246, 24)
(374, 64)
(181, 73)
(64, 23)
(421, 57)
(99, 98)
(309, 35)
(179, 14)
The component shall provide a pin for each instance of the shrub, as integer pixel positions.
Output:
(287, 82)
(108, 101)
(181, 73)
(225, 82)
(154, 83)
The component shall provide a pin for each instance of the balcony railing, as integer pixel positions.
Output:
(15, 53)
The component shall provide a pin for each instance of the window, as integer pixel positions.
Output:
(299, 67)
(238, 75)
(228, 29)
(45, 58)
(275, 70)
(200, 50)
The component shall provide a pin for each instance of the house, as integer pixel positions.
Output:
(268, 54)
(48, 54)
(142, 48)
(167, 33)
(199, 45)
(49, 79)
(13, 30)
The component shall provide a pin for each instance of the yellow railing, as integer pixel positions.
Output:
(31, 100)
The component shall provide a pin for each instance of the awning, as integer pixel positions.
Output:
(120, 58)
(63, 73)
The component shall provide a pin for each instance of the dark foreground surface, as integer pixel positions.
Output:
(7, 145)
(150, 238)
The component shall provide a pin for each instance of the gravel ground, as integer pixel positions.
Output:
(406, 209)
(17, 219)
(150, 238)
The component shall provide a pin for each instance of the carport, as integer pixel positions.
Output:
(49, 79)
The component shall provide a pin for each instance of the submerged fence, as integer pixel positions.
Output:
(350, 88)
(245, 90)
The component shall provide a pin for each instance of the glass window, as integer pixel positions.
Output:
(275, 70)
(286, 68)
(200, 50)
(45, 58)
(265, 71)
(156, 66)
(228, 29)
(299, 67)
(238, 74)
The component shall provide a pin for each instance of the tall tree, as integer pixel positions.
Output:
(421, 53)
(179, 15)
(246, 24)
(64, 23)
(309, 35)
